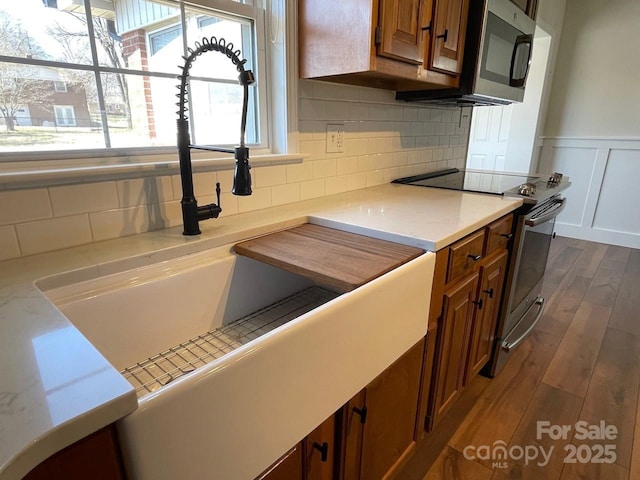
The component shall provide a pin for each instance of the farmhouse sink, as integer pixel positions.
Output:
(234, 361)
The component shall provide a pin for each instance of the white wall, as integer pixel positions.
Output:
(595, 90)
(592, 130)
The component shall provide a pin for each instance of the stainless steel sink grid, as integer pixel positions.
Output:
(155, 372)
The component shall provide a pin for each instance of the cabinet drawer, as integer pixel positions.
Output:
(465, 254)
(498, 234)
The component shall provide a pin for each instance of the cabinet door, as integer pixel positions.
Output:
(448, 36)
(401, 26)
(288, 467)
(484, 322)
(320, 451)
(354, 417)
(392, 405)
(96, 456)
(453, 344)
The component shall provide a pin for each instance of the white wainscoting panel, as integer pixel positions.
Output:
(604, 198)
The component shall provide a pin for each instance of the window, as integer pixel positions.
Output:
(65, 116)
(60, 87)
(117, 62)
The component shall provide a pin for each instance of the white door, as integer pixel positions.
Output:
(488, 137)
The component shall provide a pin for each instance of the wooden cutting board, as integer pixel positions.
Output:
(334, 258)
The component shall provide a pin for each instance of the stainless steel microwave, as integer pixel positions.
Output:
(501, 45)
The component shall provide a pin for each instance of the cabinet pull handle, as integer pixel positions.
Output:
(444, 36)
(323, 449)
(362, 412)
(427, 28)
(475, 258)
(507, 235)
(478, 303)
(489, 292)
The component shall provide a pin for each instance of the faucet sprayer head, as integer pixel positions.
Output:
(242, 174)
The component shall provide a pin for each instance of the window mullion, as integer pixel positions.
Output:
(98, 77)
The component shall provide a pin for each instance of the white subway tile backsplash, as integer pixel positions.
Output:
(18, 206)
(9, 247)
(53, 234)
(314, 148)
(312, 189)
(143, 191)
(378, 112)
(259, 199)
(410, 114)
(204, 183)
(326, 90)
(358, 111)
(356, 146)
(366, 163)
(335, 185)
(356, 181)
(309, 109)
(395, 113)
(282, 194)
(324, 168)
(346, 165)
(269, 176)
(374, 178)
(337, 110)
(229, 203)
(400, 158)
(300, 172)
(119, 222)
(84, 198)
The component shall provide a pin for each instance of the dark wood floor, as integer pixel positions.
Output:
(582, 363)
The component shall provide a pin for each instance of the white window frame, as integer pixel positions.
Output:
(278, 66)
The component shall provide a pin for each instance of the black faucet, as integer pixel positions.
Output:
(191, 212)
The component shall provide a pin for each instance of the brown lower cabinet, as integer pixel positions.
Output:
(96, 456)
(466, 299)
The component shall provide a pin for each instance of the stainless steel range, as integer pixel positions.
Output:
(523, 304)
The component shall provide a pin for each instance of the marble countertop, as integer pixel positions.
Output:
(56, 388)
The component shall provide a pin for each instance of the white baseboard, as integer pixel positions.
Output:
(601, 236)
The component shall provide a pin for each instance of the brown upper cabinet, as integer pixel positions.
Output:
(449, 31)
(530, 7)
(394, 44)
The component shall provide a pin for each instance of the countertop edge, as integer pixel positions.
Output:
(59, 438)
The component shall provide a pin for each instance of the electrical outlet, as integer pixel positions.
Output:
(335, 137)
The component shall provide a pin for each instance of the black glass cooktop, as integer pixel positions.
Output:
(470, 181)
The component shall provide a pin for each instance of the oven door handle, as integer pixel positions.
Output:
(552, 213)
(507, 346)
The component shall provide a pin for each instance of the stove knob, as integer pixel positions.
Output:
(527, 189)
(555, 179)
